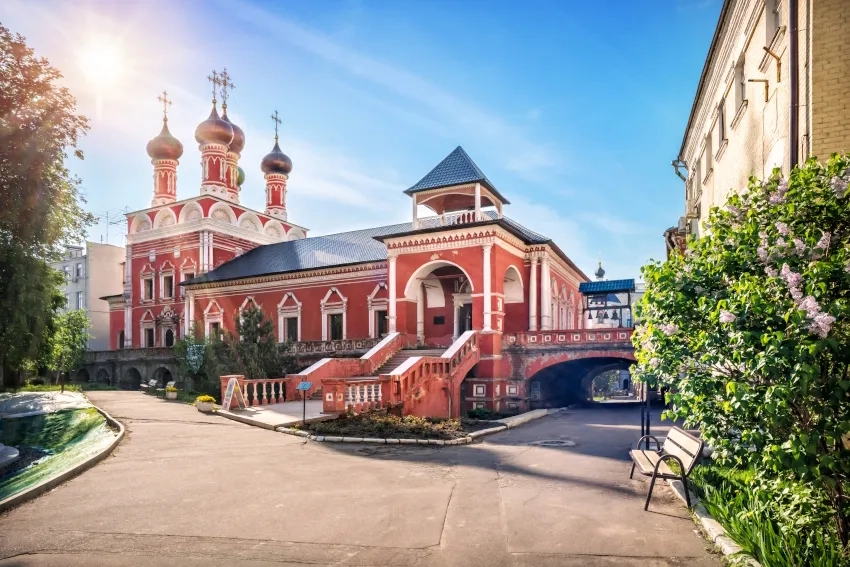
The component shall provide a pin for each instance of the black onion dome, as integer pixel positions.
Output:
(600, 272)
(276, 161)
(165, 146)
(214, 130)
(238, 143)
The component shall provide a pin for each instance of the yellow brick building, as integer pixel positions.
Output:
(774, 89)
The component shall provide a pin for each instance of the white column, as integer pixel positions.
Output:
(415, 213)
(477, 201)
(545, 295)
(391, 293)
(456, 319)
(532, 296)
(420, 314)
(128, 325)
(188, 315)
(488, 300)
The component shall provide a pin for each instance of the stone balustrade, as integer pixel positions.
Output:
(362, 396)
(531, 339)
(258, 392)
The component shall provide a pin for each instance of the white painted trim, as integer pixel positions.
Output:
(456, 345)
(284, 313)
(384, 342)
(375, 305)
(334, 309)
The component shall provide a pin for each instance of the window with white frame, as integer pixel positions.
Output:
(740, 85)
(289, 319)
(212, 319)
(80, 300)
(708, 156)
(186, 276)
(378, 322)
(67, 301)
(147, 287)
(79, 271)
(67, 270)
(772, 20)
(720, 124)
(167, 286)
(149, 337)
(334, 307)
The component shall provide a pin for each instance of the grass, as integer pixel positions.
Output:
(388, 426)
(761, 524)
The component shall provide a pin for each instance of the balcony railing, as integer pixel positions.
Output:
(570, 336)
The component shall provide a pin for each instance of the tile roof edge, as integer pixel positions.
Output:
(270, 274)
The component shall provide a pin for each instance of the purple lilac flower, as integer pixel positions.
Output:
(821, 324)
(780, 242)
(839, 186)
(776, 198)
(782, 228)
(654, 362)
(793, 279)
(771, 272)
(762, 253)
(823, 243)
(810, 305)
(783, 185)
(727, 316)
(800, 246)
(796, 293)
(669, 329)
(736, 212)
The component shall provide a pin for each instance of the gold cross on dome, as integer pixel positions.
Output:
(225, 83)
(277, 122)
(213, 78)
(163, 98)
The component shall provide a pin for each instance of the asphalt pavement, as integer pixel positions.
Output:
(190, 489)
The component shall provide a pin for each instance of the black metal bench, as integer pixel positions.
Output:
(679, 447)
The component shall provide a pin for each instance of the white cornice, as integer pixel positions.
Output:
(371, 270)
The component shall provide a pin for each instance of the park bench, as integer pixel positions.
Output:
(679, 447)
(149, 387)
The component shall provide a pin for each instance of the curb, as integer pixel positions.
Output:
(505, 424)
(715, 533)
(50, 483)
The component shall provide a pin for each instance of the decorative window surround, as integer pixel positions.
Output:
(212, 314)
(285, 312)
(479, 390)
(334, 308)
(375, 305)
(166, 271)
(144, 324)
(188, 270)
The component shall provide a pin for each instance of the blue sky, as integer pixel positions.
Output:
(574, 110)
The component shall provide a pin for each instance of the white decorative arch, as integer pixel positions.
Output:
(141, 222)
(334, 308)
(376, 306)
(250, 221)
(287, 309)
(249, 299)
(223, 212)
(274, 229)
(294, 234)
(410, 291)
(164, 217)
(191, 211)
(513, 286)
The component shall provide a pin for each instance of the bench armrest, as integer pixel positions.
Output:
(657, 444)
(682, 469)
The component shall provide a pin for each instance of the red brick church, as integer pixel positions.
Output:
(455, 283)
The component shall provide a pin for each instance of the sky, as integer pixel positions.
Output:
(574, 110)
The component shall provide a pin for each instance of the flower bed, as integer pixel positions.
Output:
(377, 425)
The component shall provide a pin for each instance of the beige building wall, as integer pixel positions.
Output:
(740, 121)
(91, 273)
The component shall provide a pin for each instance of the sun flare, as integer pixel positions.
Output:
(101, 61)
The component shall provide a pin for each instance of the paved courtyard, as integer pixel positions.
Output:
(189, 489)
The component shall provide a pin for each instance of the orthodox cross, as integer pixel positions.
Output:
(163, 98)
(225, 83)
(215, 82)
(277, 122)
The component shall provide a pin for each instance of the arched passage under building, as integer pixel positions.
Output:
(567, 383)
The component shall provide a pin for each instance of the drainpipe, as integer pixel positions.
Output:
(793, 15)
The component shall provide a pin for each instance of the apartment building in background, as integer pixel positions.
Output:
(92, 272)
(773, 91)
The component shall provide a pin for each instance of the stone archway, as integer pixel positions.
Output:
(131, 380)
(82, 375)
(103, 377)
(163, 376)
(569, 382)
(441, 292)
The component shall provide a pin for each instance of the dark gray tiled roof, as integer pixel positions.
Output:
(355, 247)
(456, 169)
(607, 286)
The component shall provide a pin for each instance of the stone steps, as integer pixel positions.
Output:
(401, 356)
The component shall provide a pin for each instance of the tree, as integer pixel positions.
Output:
(41, 200)
(751, 328)
(67, 343)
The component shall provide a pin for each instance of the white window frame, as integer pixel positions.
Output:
(334, 308)
(78, 270)
(375, 305)
(166, 270)
(740, 83)
(211, 317)
(188, 270)
(287, 312)
(479, 390)
(147, 273)
(67, 270)
(772, 20)
(80, 300)
(146, 323)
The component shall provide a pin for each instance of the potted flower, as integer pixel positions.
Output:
(204, 403)
(170, 393)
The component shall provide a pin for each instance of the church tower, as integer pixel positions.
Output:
(165, 151)
(276, 167)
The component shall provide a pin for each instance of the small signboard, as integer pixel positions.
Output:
(232, 388)
(304, 386)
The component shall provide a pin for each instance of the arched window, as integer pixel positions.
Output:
(169, 338)
(121, 339)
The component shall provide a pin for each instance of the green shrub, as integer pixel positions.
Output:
(383, 425)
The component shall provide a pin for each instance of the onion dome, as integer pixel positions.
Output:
(165, 146)
(214, 130)
(240, 176)
(276, 161)
(238, 143)
(600, 273)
